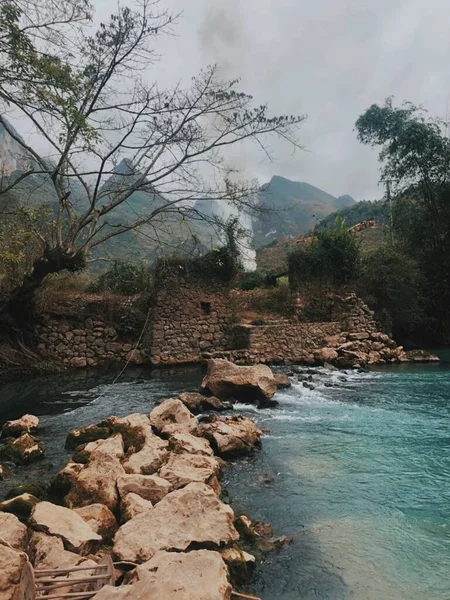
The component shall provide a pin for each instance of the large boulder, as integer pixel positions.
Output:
(149, 458)
(96, 483)
(12, 563)
(255, 384)
(198, 403)
(84, 435)
(149, 487)
(231, 436)
(23, 450)
(190, 444)
(26, 424)
(182, 469)
(172, 416)
(196, 575)
(192, 515)
(13, 532)
(76, 535)
(100, 519)
(133, 505)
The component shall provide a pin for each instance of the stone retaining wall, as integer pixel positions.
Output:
(81, 343)
(189, 317)
(283, 342)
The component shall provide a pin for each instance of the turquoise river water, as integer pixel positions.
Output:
(361, 468)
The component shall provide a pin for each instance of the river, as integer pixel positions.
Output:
(360, 466)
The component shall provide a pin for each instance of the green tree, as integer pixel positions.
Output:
(332, 259)
(393, 285)
(415, 154)
(88, 97)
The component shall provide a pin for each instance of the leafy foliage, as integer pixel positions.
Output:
(393, 285)
(123, 278)
(332, 258)
(415, 153)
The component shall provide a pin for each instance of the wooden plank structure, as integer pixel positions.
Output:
(52, 584)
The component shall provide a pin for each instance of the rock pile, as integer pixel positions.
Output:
(19, 446)
(148, 485)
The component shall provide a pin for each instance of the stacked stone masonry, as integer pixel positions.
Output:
(88, 342)
(189, 318)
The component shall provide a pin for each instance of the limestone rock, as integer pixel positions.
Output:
(61, 483)
(255, 384)
(96, 483)
(12, 563)
(21, 506)
(13, 531)
(182, 469)
(26, 424)
(241, 564)
(149, 487)
(100, 519)
(135, 429)
(185, 442)
(66, 524)
(112, 446)
(198, 403)
(87, 434)
(231, 436)
(326, 355)
(23, 450)
(133, 505)
(282, 382)
(193, 514)
(172, 416)
(47, 552)
(149, 459)
(196, 575)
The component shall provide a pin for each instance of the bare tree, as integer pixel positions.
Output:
(91, 102)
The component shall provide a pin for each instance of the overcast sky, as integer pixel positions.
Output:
(330, 59)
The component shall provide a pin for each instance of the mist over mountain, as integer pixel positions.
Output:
(295, 208)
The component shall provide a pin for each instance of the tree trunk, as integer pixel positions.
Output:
(18, 313)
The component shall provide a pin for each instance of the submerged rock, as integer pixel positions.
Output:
(13, 532)
(76, 535)
(231, 436)
(26, 424)
(255, 384)
(23, 450)
(100, 519)
(196, 575)
(241, 564)
(192, 515)
(260, 535)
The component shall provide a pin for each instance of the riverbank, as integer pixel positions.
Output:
(152, 482)
(359, 469)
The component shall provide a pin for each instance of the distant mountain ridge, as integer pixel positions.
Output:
(296, 206)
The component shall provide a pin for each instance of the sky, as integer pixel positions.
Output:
(330, 59)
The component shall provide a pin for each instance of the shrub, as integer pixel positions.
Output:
(123, 278)
(251, 280)
(332, 258)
